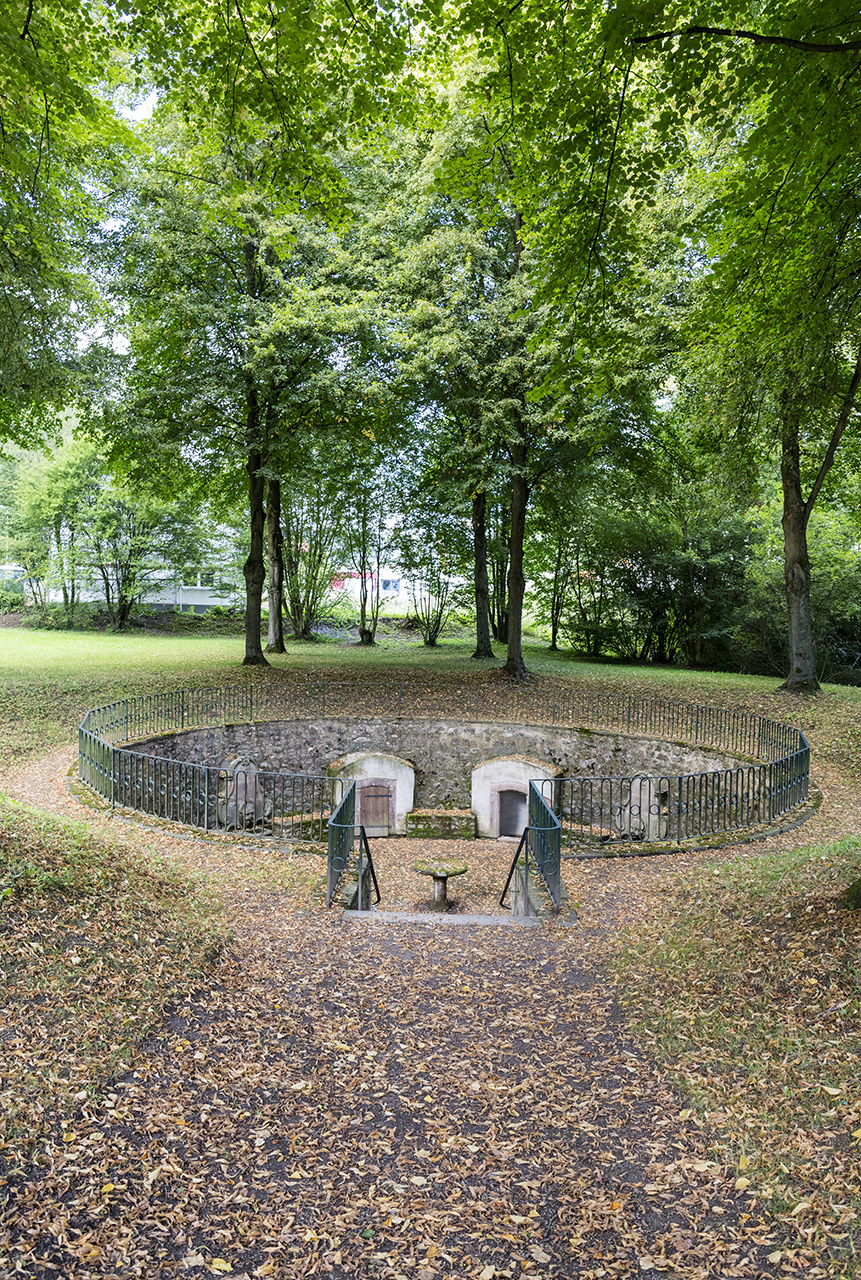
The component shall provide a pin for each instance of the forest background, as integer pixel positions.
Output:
(566, 297)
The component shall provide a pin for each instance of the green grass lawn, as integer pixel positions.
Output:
(49, 679)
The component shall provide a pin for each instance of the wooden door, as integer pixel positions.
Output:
(375, 802)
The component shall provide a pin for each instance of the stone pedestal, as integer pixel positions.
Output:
(522, 902)
(440, 871)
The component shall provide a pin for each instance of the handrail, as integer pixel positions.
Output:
(544, 844)
(365, 848)
(514, 864)
(341, 835)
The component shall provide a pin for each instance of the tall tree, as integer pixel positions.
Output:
(58, 138)
(470, 345)
(231, 321)
(606, 101)
(775, 341)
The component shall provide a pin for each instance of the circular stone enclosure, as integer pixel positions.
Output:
(647, 770)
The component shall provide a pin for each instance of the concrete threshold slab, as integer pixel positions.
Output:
(436, 918)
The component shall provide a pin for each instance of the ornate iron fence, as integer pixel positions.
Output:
(221, 798)
(591, 809)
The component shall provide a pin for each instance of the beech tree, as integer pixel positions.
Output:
(609, 102)
(470, 345)
(58, 141)
(230, 307)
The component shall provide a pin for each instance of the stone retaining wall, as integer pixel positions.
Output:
(444, 752)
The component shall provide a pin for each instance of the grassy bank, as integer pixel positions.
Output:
(747, 985)
(94, 943)
(49, 679)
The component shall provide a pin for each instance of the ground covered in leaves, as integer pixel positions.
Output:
(92, 940)
(349, 1098)
(670, 1084)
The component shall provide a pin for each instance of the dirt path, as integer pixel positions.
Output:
(359, 1098)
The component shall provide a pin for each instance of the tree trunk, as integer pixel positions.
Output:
(124, 609)
(499, 600)
(796, 515)
(515, 668)
(109, 603)
(796, 567)
(559, 593)
(61, 561)
(275, 576)
(253, 568)
(483, 646)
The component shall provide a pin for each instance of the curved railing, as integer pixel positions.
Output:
(772, 780)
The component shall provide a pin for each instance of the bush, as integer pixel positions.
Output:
(11, 597)
(56, 617)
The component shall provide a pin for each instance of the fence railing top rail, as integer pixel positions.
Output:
(702, 724)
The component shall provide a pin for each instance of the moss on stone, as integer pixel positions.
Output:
(440, 867)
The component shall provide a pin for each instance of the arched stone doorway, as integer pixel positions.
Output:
(500, 794)
(385, 789)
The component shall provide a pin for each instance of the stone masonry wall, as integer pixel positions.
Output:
(444, 752)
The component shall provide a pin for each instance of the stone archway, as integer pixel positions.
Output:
(385, 789)
(500, 794)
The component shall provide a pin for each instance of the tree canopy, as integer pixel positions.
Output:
(542, 242)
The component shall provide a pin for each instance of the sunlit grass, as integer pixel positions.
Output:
(49, 679)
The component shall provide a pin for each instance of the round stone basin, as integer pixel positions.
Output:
(440, 869)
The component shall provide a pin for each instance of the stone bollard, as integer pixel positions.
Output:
(521, 903)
